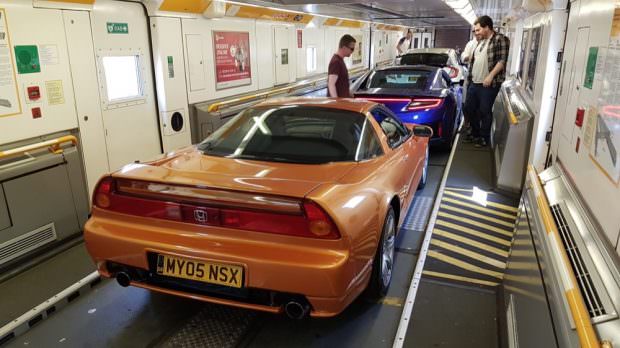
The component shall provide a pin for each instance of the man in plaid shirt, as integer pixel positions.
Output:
(487, 71)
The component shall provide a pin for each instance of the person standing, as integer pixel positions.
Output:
(404, 43)
(487, 71)
(465, 58)
(469, 48)
(337, 72)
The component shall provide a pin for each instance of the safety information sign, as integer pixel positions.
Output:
(9, 99)
(55, 93)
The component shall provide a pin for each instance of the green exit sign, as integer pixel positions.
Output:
(118, 28)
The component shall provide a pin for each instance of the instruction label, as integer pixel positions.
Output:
(55, 93)
(10, 103)
(590, 67)
(48, 54)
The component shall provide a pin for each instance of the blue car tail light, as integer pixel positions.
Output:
(411, 104)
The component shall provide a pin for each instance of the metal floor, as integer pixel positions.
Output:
(456, 303)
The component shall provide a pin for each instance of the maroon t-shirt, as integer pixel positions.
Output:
(337, 67)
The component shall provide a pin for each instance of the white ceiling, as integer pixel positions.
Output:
(414, 13)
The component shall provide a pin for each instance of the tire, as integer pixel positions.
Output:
(383, 264)
(424, 172)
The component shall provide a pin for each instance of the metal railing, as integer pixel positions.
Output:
(53, 145)
(217, 106)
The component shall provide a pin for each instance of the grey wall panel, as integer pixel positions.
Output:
(523, 282)
(451, 38)
(77, 180)
(5, 219)
(38, 199)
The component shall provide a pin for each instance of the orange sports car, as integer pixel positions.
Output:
(293, 205)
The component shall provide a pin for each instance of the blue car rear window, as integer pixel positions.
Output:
(410, 79)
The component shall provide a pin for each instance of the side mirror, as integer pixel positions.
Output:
(422, 131)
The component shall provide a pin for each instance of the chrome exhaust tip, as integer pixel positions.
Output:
(296, 310)
(123, 279)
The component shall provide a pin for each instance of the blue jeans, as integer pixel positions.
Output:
(479, 109)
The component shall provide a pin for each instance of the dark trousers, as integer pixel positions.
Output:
(479, 109)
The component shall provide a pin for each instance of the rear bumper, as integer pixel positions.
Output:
(274, 268)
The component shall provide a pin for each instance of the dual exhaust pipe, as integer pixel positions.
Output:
(295, 308)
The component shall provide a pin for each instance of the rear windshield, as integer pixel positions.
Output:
(410, 79)
(433, 59)
(293, 134)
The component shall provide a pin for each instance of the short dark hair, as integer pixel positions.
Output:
(484, 21)
(345, 40)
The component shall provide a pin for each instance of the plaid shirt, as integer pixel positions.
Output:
(496, 52)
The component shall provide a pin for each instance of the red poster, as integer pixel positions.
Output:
(232, 59)
(299, 38)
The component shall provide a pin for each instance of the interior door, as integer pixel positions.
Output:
(125, 73)
(426, 40)
(417, 40)
(282, 54)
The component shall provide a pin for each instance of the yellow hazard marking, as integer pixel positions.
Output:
(474, 255)
(462, 189)
(530, 280)
(525, 293)
(510, 225)
(460, 278)
(476, 223)
(471, 242)
(464, 265)
(491, 204)
(392, 301)
(478, 207)
(473, 232)
(530, 266)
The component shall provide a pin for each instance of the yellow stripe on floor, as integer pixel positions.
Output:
(478, 207)
(461, 189)
(479, 216)
(478, 224)
(491, 204)
(460, 278)
(464, 265)
(474, 255)
(471, 242)
(392, 301)
(473, 232)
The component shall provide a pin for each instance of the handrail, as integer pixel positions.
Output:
(231, 102)
(53, 146)
(585, 330)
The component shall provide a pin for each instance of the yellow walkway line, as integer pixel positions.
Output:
(491, 204)
(476, 223)
(510, 225)
(460, 189)
(471, 242)
(474, 255)
(478, 207)
(461, 278)
(473, 232)
(464, 265)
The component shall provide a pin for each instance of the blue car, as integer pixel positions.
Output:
(416, 94)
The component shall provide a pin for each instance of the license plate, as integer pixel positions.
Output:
(208, 272)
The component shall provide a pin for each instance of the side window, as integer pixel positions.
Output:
(395, 131)
(369, 146)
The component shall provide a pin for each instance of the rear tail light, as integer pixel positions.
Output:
(424, 103)
(413, 104)
(309, 220)
(454, 72)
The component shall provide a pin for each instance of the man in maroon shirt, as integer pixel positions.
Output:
(337, 73)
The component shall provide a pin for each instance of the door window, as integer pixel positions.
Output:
(395, 131)
(122, 78)
(369, 146)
